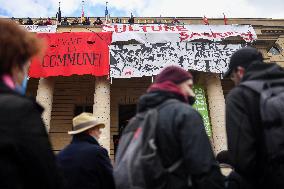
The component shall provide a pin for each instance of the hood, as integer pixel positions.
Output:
(263, 71)
(155, 98)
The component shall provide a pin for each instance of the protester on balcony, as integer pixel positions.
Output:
(86, 21)
(26, 159)
(21, 22)
(13, 19)
(75, 21)
(48, 21)
(39, 22)
(29, 21)
(175, 21)
(98, 22)
(65, 22)
(131, 19)
(117, 21)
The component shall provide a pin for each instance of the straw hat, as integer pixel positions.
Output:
(83, 122)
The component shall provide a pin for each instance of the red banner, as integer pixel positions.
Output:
(73, 53)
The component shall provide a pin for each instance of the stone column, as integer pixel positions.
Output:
(216, 103)
(45, 98)
(102, 109)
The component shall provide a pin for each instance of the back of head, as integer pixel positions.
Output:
(17, 45)
(243, 58)
(173, 74)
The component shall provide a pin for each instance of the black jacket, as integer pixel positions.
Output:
(26, 159)
(245, 141)
(181, 133)
(85, 164)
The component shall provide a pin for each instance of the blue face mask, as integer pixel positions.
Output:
(23, 87)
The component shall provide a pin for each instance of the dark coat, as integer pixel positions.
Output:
(245, 141)
(85, 164)
(181, 133)
(26, 158)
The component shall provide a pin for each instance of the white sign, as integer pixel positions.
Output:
(155, 33)
(41, 29)
(148, 59)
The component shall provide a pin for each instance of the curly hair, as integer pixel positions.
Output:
(16, 45)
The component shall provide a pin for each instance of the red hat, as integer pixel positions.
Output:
(174, 74)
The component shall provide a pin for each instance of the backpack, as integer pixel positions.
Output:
(272, 115)
(138, 164)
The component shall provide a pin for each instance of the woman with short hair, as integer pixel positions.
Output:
(26, 158)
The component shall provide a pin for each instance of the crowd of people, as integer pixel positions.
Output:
(85, 21)
(164, 146)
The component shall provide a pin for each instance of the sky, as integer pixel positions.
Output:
(146, 8)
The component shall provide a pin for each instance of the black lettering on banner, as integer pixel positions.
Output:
(43, 62)
(87, 57)
(148, 60)
(61, 60)
(96, 60)
(71, 58)
(52, 61)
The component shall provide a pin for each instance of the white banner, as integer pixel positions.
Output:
(147, 60)
(155, 33)
(41, 29)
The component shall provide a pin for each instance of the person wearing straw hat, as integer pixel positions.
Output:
(84, 162)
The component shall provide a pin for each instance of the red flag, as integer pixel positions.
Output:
(83, 12)
(73, 53)
(205, 20)
(225, 19)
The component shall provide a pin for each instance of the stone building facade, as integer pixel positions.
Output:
(113, 100)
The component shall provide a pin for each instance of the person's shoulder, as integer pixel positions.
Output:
(184, 109)
(236, 93)
(91, 147)
(240, 93)
(14, 101)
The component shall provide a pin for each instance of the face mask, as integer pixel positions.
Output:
(191, 100)
(23, 87)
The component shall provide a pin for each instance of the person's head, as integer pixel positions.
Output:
(65, 19)
(181, 78)
(95, 132)
(17, 47)
(87, 123)
(98, 18)
(239, 62)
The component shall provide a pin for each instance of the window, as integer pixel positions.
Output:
(274, 51)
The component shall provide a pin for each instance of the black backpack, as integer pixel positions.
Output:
(272, 115)
(138, 164)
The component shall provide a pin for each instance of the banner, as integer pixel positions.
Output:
(73, 53)
(201, 106)
(155, 33)
(41, 29)
(128, 61)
